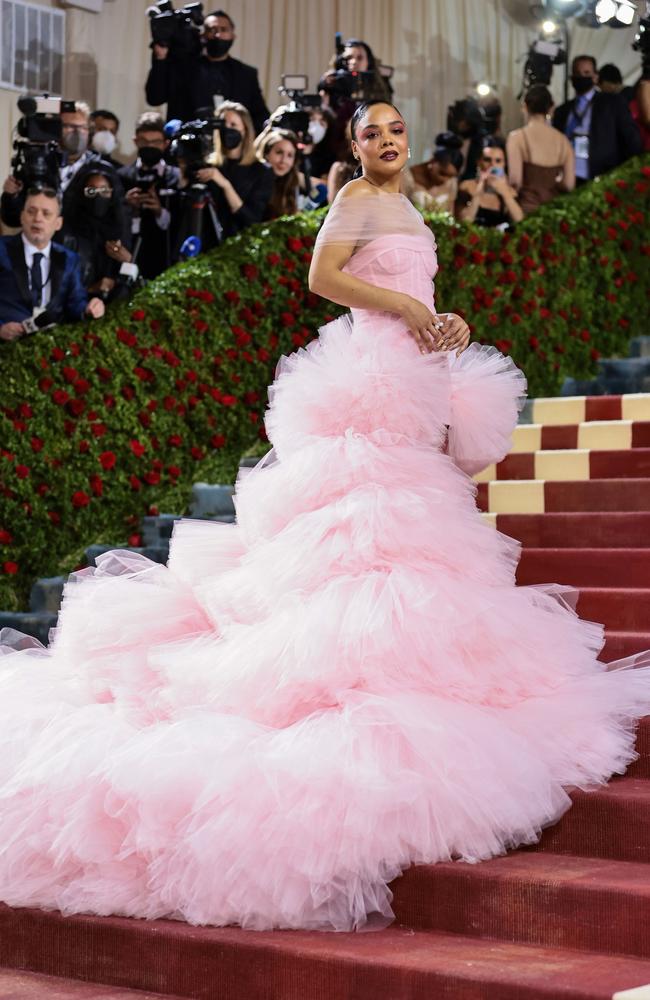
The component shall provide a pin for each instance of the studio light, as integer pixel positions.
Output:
(605, 10)
(615, 13)
(549, 27)
(483, 89)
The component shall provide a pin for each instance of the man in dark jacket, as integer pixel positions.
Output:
(150, 183)
(598, 125)
(40, 281)
(187, 84)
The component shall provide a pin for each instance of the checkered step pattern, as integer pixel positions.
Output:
(575, 491)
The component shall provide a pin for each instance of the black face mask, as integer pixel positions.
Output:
(218, 47)
(231, 138)
(97, 207)
(582, 84)
(150, 155)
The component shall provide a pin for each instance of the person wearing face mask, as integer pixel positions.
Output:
(328, 143)
(598, 125)
(489, 200)
(77, 156)
(187, 84)
(150, 184)
(237, 188)
(104, 126)
(96, 228)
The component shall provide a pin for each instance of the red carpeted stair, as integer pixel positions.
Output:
(567, 918)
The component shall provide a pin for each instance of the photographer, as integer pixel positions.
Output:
(104, 126)
(228, 190)
(40, 281)
(355, 76)
(74, 156)
(95, 227)
(279, 148)
(190, 77)
(150, 184)
(489, 200)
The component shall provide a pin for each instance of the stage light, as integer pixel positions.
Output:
(605, 10)
(483, 89)
(549, 27)
(625, 13)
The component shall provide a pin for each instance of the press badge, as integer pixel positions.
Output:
(581, 146)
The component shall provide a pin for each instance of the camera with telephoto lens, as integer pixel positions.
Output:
(294, 116)
(641, 42)
(342, 85)
(193, 141)
(178, 30)
(37, 155)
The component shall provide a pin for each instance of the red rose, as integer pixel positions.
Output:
(273, 259)
(217, 440)
(232, 297)
(5, 537)
(144, 374)
(201, 326)
(249, 271)
(585, 335)
(477, 257)
(126, 337)
(60, 397)
(175, 440)
(45, 384)
(559, 349)
(81, 387)
(22, 471)
(297, 339)
(263, 354)
(135, 483)
(288, 319)
(534, 342)
(294, 244)
(57, 354)
(107, 459)
(98, 430)
(594, 354)
(503, 345)
(76, 407)
(37, 444)
(169, 403)
(80, 499)
(135, 541)
(96, 485)
(10, 568)
(138, 315)
(205, 296)
(545, 313)
(152, 478)
(196, 453)
(83, 446)
(197, 352)
(54, 517)
(229, 400)
(70, 374)
(173, 471)
(137, 448)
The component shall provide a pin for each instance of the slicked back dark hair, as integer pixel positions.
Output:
(221, 13)
(361, 111)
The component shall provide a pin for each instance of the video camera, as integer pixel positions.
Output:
(192, 141)
(542, 56)
(343, 84)
(641, 42)
(37, 158)
(294, 116)
(178, 30)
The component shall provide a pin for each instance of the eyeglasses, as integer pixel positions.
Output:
(98, 192)
(74, 128)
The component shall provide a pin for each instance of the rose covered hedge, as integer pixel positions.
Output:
(104, 422)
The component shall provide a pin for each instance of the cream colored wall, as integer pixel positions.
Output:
(439, 48)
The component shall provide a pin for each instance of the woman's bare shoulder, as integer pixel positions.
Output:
(357, 188)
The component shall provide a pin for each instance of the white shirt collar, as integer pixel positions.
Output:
(30, 249)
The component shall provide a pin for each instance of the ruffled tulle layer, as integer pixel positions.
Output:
(270, 729)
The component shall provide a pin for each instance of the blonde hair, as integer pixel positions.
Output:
(218, 157)
(284, 199)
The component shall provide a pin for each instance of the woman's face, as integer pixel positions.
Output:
(492, 157)
(356, 58)
(234, 120)
(440, 173)
(98, 186)
(381, 141)
(281, 156)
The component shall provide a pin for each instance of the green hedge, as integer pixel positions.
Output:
(104, 422)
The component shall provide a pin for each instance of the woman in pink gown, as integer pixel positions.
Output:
(272, 728)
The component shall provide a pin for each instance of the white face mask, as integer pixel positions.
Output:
(317, 131)
(104, 142)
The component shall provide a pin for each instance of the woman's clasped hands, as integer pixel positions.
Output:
(434, 331)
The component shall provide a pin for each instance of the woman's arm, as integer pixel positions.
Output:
(568, 164)
(515, 160)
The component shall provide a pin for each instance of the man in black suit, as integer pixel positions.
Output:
(598, 125)
(40, 281)
(185, 85)
(150, 184)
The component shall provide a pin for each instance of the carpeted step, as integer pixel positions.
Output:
(34, 623)
(569, 464)
(231, 964)
(640, 768)
(620, 645)
(597, 434)
(619, 608)
(17, 985)
(212, 501)
(610, 529)
(533, 897)
(578, 409)
(610, 822)
(537, 497)
(628, 567)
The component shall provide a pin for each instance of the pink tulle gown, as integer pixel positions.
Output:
(270, 729)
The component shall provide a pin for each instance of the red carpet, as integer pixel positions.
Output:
(567, 918)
